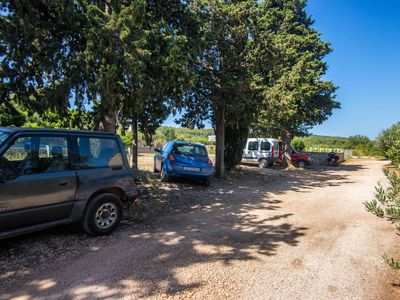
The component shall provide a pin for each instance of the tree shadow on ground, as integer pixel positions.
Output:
(237, 219)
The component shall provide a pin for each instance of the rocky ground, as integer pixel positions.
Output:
(261, 234)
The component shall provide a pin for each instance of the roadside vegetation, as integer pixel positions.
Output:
(386, 203)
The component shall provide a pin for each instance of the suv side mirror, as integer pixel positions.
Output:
(157, 150)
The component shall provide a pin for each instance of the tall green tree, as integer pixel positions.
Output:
(112, 55)
(223, 77)
(171, 31)
(294, 95)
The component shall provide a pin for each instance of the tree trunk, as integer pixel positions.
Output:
(108, 121)
(135, 145)
(148, 139)
(286, 148)
(220, 144)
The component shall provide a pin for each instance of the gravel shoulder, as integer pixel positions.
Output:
(261, 234)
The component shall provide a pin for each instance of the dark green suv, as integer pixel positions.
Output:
(50, 177)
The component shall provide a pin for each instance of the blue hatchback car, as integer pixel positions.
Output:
(183, 159)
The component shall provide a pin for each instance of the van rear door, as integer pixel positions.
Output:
(251, 151)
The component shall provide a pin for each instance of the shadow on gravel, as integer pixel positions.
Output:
(233, 220)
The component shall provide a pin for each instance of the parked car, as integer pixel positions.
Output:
(51, 177)
(183, 159)
(263, 151)
(299, 159)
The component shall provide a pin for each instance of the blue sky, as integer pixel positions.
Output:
(364, 64)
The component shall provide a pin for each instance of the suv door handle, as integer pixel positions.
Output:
(63, 183)
(116, 168)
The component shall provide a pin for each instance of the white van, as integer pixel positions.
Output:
(263, 151)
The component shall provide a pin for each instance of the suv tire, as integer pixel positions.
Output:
(102, 215)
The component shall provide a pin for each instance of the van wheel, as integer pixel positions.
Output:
(164, 176)
(263, 163)
(102, 215)
(301, 164)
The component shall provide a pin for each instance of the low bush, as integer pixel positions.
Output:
(298, 144)
(386, 204)
(389, 143)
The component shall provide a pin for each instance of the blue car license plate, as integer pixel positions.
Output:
(191, 169)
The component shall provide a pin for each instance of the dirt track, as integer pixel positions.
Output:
(264, 234)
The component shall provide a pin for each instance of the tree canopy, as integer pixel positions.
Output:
(249, 67)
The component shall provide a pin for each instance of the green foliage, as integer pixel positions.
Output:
(38, 53)
(386, 204)
(71, 118)
(362, 146)
(184, 134)
(298, 144)
(168, 133)
(236, 137)
(223, 83)
(294, 95)
(320, 141)
(389, 143)
(239, 64)
(10, 115)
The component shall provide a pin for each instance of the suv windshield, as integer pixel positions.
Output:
(190, 150)
(3, 136)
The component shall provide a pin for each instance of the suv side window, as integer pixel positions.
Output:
(96, 152)
(34, 155)
(265, 146)
(252, 146)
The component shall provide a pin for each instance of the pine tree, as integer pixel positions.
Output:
(294, 95)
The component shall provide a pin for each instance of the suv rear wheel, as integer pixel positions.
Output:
(102, 214)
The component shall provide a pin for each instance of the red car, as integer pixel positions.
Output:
(298, 159)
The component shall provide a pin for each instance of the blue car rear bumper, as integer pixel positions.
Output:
(176, 170)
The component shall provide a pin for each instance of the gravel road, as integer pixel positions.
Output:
(262, 234)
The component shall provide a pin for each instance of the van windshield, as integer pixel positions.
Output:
(3, 136)
(190, 150)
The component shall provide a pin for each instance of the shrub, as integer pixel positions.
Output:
(386, 204)
(168, 133)
(298, 144)
(389, 143)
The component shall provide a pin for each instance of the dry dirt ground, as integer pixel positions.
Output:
(261, 234)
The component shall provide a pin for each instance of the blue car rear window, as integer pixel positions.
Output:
(190, 150)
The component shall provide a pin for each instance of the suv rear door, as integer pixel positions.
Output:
(100, 164)
(37, 185)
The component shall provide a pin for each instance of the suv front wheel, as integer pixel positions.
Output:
(102, 214)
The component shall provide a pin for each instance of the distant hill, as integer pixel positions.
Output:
(321, 141)
(201, 136)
